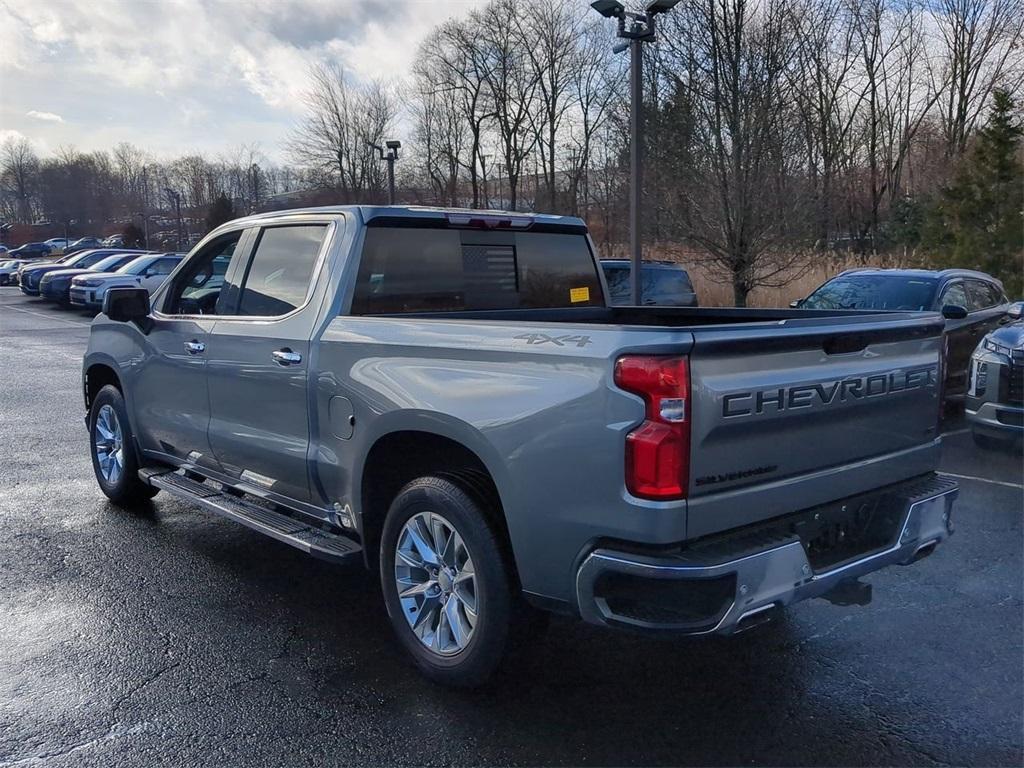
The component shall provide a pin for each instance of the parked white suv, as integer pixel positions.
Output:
(148, 271)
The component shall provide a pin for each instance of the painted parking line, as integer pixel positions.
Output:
(1018, 486)
(45, 317)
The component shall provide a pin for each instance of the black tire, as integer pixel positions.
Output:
(125, 489)
(496, 597)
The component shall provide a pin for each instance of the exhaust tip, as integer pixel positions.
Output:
(924, 550)
(756, 617)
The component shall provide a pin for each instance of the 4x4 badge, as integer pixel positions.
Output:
(558, 341)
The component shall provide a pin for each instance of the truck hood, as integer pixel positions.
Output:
(108, 276)
(40, 269)
(1011, 336)
(57, 274)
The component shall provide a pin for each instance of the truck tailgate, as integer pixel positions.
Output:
(808, 403)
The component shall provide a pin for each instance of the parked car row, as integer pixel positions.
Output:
(82, 278)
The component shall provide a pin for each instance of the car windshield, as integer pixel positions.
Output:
(76, 259)
(137, 266)
(96, 257)
(107, 264)
(889, 292)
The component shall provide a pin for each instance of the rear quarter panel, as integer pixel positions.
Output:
(540, 413)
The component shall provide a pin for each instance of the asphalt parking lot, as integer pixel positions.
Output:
(170, 637)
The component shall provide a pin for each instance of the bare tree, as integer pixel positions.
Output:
(340, 125)
(458, 64)
(593, 94)
(441, 133)
(19, 168)
(981, 42)
(826, 96)
(549, 32)
(892, 50)
(513, 85)
(740, 200)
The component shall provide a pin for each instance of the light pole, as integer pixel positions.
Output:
(176, 198)
(390, 156)
(635, 29)
(145, 204)
(483, 167)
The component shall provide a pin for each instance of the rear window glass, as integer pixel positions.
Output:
(663, 285)
(873, 292)
(423, 270)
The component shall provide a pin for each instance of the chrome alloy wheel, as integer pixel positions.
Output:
(109, 445)
(436, 583)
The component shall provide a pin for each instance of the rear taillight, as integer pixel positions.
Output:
(658, 451)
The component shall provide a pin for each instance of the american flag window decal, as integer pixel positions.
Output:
(490, 269)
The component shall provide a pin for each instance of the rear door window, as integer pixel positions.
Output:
(421, 270)
(279, 275)
(163, 266)
(977, 296)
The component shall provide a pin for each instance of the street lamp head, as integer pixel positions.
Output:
(393, 144)
(661, 6)
(610, 9)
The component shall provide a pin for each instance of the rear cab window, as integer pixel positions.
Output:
(421, 269)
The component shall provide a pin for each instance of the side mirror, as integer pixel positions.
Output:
(795, 304)
(953, 312)
(128, 305)
(1015, 310)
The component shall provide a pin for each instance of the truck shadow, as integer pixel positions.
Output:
(578, 694)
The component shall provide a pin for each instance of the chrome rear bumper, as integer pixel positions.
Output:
(732, 588)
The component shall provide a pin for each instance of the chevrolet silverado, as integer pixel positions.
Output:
(447, 397)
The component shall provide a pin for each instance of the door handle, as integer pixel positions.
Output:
(194, 347)
(286, 356)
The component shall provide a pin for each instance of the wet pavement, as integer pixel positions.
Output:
(170, 637)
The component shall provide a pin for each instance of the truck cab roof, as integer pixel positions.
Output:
(937, 274)
(411, 215)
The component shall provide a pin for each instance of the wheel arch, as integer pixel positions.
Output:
(98, 373)
(398, 456)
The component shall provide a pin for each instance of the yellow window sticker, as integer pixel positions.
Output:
(579, 294)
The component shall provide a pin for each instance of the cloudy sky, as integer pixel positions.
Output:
(189, 75)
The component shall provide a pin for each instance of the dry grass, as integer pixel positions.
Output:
(712, 291)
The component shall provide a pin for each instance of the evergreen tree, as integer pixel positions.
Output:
(221, 211)
(978, 221)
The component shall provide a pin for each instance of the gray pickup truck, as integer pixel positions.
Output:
(447, 397)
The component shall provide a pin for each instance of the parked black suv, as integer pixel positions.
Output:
(974, 304)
